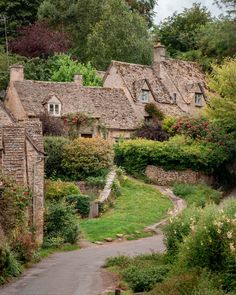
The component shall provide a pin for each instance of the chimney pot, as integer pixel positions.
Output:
(16, 73)
(158, 56)
(78, 79)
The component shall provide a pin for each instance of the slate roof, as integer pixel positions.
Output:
(111, 105)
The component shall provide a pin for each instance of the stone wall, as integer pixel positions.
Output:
(166, 178)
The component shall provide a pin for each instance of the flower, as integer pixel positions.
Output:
(232, 247)
(229, 234)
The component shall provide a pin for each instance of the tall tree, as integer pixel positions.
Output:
(229, 4)
(222, 107)
(18, 13)
(179, 32)
(121, 35)
(144, 7)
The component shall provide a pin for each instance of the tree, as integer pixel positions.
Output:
(179, 32)
(121, 35)
(144, 7)
(229, 4)
(64, 68)
(38, 40)
(18, 13)
(59, 13)
(222, 106)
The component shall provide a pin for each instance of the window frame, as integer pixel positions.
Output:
(144, 93)
(54, 109)
(198, 99)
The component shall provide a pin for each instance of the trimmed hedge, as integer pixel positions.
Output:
(178, 153)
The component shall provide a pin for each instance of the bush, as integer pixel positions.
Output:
(85, 157)
(81, 204)
(167, 125)
(98, 181)
(9, 266)
(54, 147)
(57, 190)
(178, 153)
(52, 126)
(198, 195)
(154, 112)
(61, 222)
(152, 131)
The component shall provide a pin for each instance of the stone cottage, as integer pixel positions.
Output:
(22, 158)
(109, 107)
(176, 86)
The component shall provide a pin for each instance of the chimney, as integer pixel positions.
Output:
(78, 79)
(158, 56)
(16, 73)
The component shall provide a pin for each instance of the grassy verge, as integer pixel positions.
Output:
(198, 195)
(138, 206)
(45, 252)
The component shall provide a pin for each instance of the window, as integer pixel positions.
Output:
(86, 135)
(54, 109)
(147, 119)
(174, 97)
(144, 97)
(198, 99)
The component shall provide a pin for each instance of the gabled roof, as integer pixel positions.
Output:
(133, 73)
(111, 105)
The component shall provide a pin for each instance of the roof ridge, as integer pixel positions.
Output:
(131, 64)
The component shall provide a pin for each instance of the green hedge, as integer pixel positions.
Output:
(178, 153)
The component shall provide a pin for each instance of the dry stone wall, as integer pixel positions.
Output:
(166, 178)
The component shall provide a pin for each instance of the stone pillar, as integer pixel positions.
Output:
(16, 73)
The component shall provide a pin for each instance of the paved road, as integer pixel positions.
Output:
(78, 272)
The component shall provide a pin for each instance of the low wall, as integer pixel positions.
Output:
(166, 178)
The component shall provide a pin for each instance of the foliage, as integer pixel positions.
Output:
(60, 221)
(152, 131)
(119, 35)
(81, 204)
(200, 128)
(38, 40)
(222, 105)
(179, 31)
(98, 181)
(136, 199)
(154, 112)
(13, 203)
(229, 4)
(51, 126)
(85, 157)
(58, 190)
(54, 147)
(18, 13)
(141, 279)
(198, 195)
(9, 266)
(178, 153)
(167, 125)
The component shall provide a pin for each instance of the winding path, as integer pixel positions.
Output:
(80, 272)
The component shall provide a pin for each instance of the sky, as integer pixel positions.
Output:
(166, 8)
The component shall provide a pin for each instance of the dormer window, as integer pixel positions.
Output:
(54, 106)
(198, 99)
(174, 97)
(144, 96)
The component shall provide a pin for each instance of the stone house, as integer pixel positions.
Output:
(176, 86)
(109, 107)
(22, 158)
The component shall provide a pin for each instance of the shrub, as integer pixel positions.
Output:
(57, 190)
(198, 195)
(98, 181)
(54, 147)
(178, 153)
(152, 131)
(9, 266)
(85, 157)
(61, 221)
(143, 279)
(52, 126)
(81, 204)
(167, 125)
(154, 112)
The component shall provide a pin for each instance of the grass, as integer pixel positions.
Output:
(45, 252)
(138, 206)
(198, 195)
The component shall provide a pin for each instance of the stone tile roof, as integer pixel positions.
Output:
(111, 105)
(134, 76)
(186, 76)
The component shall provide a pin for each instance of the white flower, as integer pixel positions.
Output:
(232, 248)
(229, 234)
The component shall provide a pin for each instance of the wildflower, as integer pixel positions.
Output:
(229, 234)
(232, 247)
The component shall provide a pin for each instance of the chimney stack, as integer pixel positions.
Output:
(78, 79)
(16, 73)
(158, 56)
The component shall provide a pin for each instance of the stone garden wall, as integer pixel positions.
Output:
(166, 178)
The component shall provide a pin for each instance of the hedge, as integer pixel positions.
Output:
(178, 153)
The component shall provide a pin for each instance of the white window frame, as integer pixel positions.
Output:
(198, 99)
(53, 111)
(144, 96)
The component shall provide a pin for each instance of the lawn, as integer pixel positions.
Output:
(138, 206)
